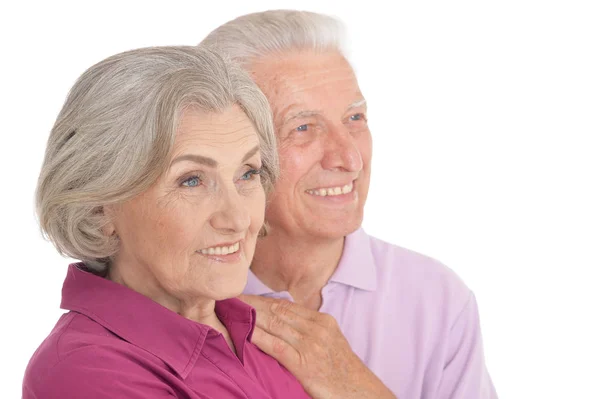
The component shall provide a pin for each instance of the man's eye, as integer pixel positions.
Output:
(302, 128)
(193, 181)
(357, 117)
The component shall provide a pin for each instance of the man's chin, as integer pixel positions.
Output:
(333, 228)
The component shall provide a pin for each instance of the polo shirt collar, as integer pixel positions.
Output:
(256, 287)
(356, 267)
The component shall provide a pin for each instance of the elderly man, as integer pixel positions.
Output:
(349, 315)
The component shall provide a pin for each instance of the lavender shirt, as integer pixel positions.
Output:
(410, 319)
(116, 343)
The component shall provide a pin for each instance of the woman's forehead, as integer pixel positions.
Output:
(215, 134)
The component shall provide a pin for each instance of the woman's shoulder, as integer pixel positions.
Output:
(74, 332)
(93, 371)
(79, 357)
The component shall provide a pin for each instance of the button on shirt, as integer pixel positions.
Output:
(117, 343)
(410, 319)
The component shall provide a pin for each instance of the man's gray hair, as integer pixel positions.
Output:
(255, 35)
(114, 135)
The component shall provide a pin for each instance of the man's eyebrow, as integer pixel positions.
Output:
(309, 113)
(199, 159)
(357, 104)
(301, 114)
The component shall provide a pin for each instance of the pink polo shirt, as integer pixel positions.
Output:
(116, 343)
(410, 319)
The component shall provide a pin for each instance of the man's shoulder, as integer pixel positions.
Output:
(411, 269)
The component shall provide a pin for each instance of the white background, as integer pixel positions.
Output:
(485, 118)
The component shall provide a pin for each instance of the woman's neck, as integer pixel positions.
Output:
(200, 310)
(301, 267)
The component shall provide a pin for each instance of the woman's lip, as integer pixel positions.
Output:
(229, 258)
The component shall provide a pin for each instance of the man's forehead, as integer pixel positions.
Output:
(305, 82)
(301, 69)
(313, 81)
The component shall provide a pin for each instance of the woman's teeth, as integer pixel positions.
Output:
(221, 250)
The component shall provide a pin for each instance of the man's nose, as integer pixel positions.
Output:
(341, 151)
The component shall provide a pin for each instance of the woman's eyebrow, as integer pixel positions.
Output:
(199, 159)
(202, 160)
(250, 153)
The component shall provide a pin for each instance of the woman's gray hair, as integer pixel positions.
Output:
(114, 135)
(255, 35)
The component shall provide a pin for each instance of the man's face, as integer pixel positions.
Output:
(324, 144)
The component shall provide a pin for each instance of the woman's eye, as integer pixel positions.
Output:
(302, 128)
(250, 174)
(357, 117)
(193, 181)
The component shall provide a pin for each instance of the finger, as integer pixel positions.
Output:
(307, 322)
(282, 306)
(260, 303)
(279, 306)
(302, 319)
(272, 315)
(275, 347)
(287, 328)
(283, 324)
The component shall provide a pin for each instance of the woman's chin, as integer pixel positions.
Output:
(232, 291)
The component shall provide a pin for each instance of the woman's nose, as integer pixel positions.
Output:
(232, 215)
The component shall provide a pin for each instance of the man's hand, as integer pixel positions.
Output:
(312, 347)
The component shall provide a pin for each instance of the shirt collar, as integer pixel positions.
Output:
(145, 323)
(256, 287)
(356, 267)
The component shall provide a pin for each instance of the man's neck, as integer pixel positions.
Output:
(300, 266)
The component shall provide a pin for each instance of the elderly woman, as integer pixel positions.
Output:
(154, 177)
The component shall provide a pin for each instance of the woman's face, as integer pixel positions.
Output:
(191, 236)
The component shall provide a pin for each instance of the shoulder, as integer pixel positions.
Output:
(74, 332)
(399, 268)
(94, 371)
(81, 359)
(406, 261)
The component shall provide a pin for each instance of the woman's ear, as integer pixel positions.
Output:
(108, 229)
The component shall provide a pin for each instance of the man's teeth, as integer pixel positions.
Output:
(221, 250)
(323, 192)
